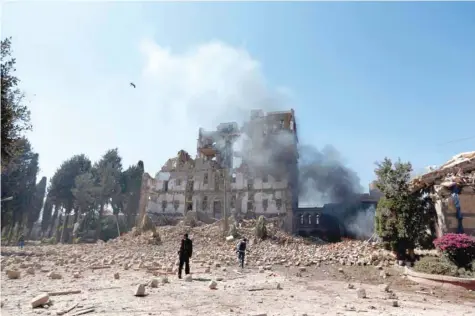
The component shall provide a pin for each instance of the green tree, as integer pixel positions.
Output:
(63, 184)
(15, 115)
(36, 205)
(132, 184)
(19, 182)
(86, 194)
(402, 216)
(109, 170)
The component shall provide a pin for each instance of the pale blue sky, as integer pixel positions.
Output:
(372, 79)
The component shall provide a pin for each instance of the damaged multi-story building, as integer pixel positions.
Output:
(249, 170)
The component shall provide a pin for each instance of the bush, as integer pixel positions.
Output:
(436, 265)
(459, 248)
(442, 266)
(50, 241)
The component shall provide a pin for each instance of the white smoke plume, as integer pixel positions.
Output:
(361, 225)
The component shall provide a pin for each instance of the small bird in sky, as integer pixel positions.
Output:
(132, 84)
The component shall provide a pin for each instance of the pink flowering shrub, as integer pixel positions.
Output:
(459, 248)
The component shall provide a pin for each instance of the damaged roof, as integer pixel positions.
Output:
(459, 170)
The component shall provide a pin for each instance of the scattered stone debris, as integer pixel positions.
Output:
(13, 274)
(154, 283)
(140, 290)
(40, 300)
(54, 276)
(116, 276)
(213, 285)
(361, 293)
(384, 287)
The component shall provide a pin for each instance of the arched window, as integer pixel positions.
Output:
(317, 219)
(309, 219)
(301, 219)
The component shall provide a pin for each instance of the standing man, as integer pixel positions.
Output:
(241, 250)
(21, 241)
(185, 253)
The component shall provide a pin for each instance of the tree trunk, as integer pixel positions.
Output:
(58, 227)
(65, 225)
(98, 227)
(77, 213)
(117, 222)
(52, 221)
(30, 229)
(10, 233)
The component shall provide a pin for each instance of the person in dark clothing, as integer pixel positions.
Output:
(185, 253)
(241, 250)
(21, 241)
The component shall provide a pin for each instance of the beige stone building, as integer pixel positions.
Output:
(263, 183)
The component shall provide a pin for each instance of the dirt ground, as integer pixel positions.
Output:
(319, 290)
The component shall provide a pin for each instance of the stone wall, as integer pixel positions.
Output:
(446, 213)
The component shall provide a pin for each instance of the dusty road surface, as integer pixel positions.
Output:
(320, 289)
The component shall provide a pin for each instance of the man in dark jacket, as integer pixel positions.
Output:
(185, 253)
(241, 250)
(21, 241)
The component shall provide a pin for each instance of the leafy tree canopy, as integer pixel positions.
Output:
(15, 114)
(402, 217)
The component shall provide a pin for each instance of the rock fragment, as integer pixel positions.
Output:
(54, 276)
(40, 300)
(13, 274)
(384, 287)
(154, 283)
(140, 290)
(213, 285)
(361, 293)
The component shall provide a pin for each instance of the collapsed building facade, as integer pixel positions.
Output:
(264, 182)
(452, 189)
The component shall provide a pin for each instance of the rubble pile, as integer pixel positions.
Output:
(154, 250)
(278, 247)
(460, 171)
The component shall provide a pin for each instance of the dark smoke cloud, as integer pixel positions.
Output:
(323, 178)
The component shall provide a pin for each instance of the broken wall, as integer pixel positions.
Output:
(447, 214)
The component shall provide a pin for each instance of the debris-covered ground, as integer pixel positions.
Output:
(284, 276)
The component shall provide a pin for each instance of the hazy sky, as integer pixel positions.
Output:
(372, 79)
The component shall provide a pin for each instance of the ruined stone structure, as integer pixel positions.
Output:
(452, 189)
(264, 182)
